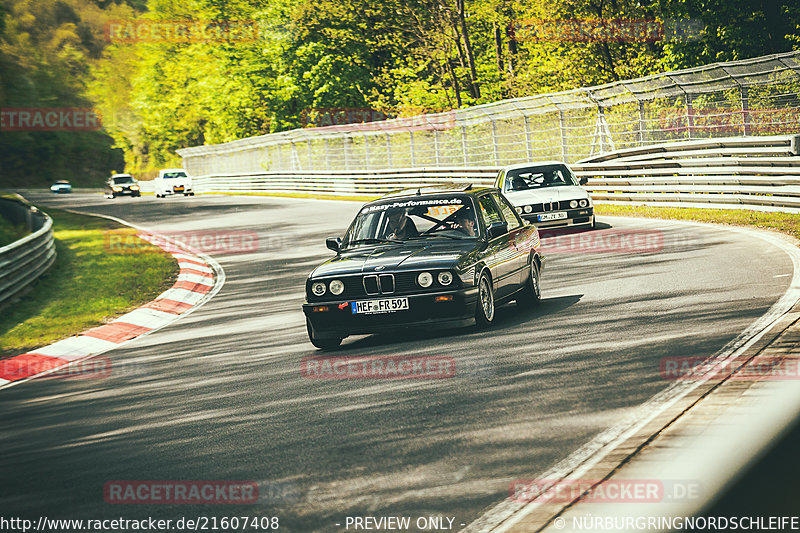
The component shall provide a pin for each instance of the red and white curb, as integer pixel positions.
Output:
(199, 279)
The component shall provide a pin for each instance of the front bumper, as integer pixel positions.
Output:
(423, 310)
(575, 217)
(179, 189)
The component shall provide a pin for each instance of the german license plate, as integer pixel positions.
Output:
(552, 216)
(386, 305)
(178, 188)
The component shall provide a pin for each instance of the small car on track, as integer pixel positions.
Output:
(172, 181)
(547, 194)
(444, 255)
(121, 185)
(61, 187)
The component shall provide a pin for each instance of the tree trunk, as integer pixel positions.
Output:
(498, 49)
(476, 92)
(456, 86)
(508, 12)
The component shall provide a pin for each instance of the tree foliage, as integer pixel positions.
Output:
(403, 57)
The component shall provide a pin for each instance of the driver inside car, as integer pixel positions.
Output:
(399, 226)
(465, 222)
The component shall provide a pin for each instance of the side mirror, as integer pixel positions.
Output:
(333, 243)
(584, 180)
(497, 229)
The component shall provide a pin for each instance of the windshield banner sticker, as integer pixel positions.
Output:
(410, 203)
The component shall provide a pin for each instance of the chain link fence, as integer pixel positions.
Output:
(758, 96)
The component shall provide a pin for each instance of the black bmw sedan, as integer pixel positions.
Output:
(443, 255)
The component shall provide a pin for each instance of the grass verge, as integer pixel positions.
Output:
(788, 223)
(87, 286)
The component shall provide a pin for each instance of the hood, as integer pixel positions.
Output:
(547, 194)
(392, 258)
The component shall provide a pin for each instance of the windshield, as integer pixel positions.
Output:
(170, 175)
(123, 179)
(539, 177)
(412, 220)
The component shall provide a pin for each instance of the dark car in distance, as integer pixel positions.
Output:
(121, 185)
(443, 255)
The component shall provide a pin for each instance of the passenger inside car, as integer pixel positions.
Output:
(518, 184)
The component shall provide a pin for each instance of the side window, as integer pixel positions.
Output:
(508, 212)
(489, 211)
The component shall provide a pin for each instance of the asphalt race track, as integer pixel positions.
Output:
(219, 395)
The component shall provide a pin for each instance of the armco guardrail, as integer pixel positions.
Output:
(744, 172)
(759, 96)
(23, 261)
(357, 184)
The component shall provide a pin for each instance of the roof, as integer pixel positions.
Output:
(446, 188)
(533, 164)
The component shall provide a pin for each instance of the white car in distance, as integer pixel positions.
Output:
(172, 181)
(547, 194)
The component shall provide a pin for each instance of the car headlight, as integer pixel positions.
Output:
(573, 204)
(116, 188)
(425, 279)
(519, 210)
(336, 287)
(318, 288)
(528, 208)
(134, 187)
(445, 278)
(584, 203)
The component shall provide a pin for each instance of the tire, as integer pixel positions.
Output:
(323, 343)
(531, 293)
(484, 308)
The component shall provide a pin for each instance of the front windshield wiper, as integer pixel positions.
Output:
(373, 241)
(423, 235)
